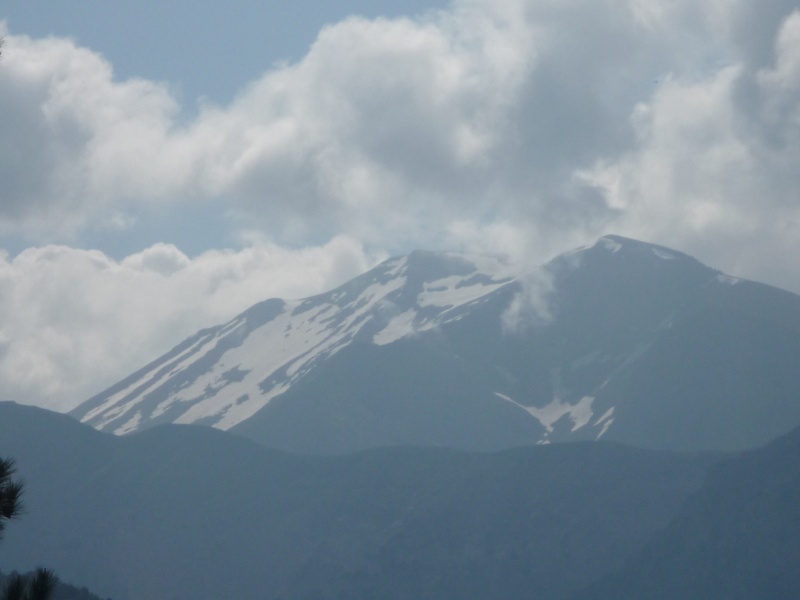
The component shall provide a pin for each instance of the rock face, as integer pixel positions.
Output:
(623, 341)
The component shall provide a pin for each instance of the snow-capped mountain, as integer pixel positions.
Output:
(622, 340)
(224, 375)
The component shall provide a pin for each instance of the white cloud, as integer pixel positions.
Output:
(714, 167)
(74, 321)
(388, 130)
(383, 115)
(75, 140)
(532, 306)
(497, 125)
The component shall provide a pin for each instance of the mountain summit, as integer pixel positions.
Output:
(623, 340)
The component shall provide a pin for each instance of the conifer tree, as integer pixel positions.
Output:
(38, 586)
(10, 493)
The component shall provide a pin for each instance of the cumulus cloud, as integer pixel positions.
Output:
(564, 118)
(75, 321)
(380, 115)
(76, 141)
(713, 169)
(496, 125)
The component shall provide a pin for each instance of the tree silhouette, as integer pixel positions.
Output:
(10, 493)
(38, 586)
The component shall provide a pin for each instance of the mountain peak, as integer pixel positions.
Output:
(453, 349)
(226, 374)
(613, 244)
(430, 266)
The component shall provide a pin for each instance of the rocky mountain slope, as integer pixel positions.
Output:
(623, 341)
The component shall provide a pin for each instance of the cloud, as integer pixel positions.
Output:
(75, 321)
(381, 115)
(532, 306)
(713, 169)
(496, 125)
(564, 119)
(75, 141)
(382, 120)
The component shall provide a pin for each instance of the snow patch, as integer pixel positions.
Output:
(399, 327)
(606, 425)
(610, 245)
(450, 292)
(727, 279)
(446, 294)
(580, 413)
(606, 415)
(663, 255)
(138, 389)
(131, 425)
(606, 420)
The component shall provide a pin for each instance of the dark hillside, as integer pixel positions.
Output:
(192, 512)
(738, 538)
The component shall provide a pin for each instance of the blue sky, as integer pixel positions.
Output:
(165, 165)
(204, 49)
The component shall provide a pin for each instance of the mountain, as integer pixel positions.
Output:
(180, 512)
(623, 341)
(737, 538)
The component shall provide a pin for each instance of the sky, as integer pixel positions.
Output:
(165, 165)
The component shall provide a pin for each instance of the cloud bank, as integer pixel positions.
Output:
(77, 321)
(527, 127)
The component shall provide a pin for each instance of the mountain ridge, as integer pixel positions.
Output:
(736, 538)
(192, 512)
(462, 351)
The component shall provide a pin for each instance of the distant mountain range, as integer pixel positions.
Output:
(622, 341)
(385, 388)
(186, 512)
(190, 513)
(738, 538)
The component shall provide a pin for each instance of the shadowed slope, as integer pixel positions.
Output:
(198, 513)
